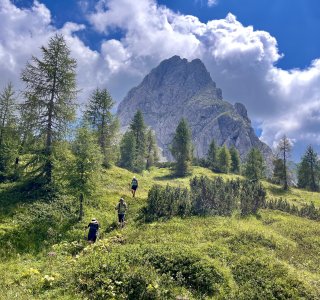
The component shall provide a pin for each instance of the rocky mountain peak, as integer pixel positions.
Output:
(178, 88)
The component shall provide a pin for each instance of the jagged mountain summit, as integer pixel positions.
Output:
(178, 88)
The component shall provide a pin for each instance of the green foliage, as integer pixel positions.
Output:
(37, 226)
(212, 156)
(86, 164)
(207, 197)
(127, 153)
(213, 197)
(181, 148)
(262, 279)
(254, 167)
(49, 106)
(138, 129)
(152, 150)
(9, 138)
(309, 170)
(104, 123)
(235, 160)
(281, 172)
(224, 159)
(166, 202)
(252, 197)
(306, 211)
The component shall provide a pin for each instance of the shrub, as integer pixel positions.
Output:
(166, 202)
(213, 197)
(252, 197)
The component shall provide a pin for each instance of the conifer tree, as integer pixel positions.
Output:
(127, 151)
(181, 148)
(152, 150)
(224, 159)
(9, 139)
(254, 168)
(105, 124)
(138, 129)
(235, 160)
(309, 170)
(87, 162)
(284, 148)
(50, 93)
(212, 156)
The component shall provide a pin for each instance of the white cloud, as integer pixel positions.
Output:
(240, 59)
(212, 2)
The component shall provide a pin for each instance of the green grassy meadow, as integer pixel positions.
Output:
(44, 255)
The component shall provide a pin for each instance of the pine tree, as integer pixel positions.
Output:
(50, 93)
(235, 160)
(9, 139)
(105, 124)
(127, 151)
(224, 159)
(152, 150)
(181, 148)
(87, 162)
(212, 156)
(309, 170)
(138, 129)
(254, 168)
(283, 149)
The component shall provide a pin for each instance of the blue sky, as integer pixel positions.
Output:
(294, 23)
(263, 53)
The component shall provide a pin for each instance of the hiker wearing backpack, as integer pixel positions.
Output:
(121, 208)
(134, 186)
(93, 231)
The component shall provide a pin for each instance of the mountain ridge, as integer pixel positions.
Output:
(178, 88)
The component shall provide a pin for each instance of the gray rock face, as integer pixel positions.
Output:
(178, 88)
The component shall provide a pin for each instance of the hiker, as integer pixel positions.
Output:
(121, 208)
(134, 186)
(93, 231)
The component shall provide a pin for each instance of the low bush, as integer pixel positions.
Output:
(166, 202)
(214, 197)
(207, 197)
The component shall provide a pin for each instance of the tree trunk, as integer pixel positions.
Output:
(81, 207)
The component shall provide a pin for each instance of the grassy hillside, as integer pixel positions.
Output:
(44, 255)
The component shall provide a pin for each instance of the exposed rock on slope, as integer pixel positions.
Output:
(178, 88)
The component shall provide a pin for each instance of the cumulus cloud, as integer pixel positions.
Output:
(241, 60)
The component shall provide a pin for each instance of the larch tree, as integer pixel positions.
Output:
(50, 93)
(181, 148)
(104, 123)
(283, 150)
(86, 165)
(9, 139)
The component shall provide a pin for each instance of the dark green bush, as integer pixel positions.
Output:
(252, 197)
(207, 197)
(214, 197)
(306, 211)
(166, 202)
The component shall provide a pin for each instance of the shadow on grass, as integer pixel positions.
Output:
(278, 191)
(16, 193)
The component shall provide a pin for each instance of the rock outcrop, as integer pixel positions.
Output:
(178, 88)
